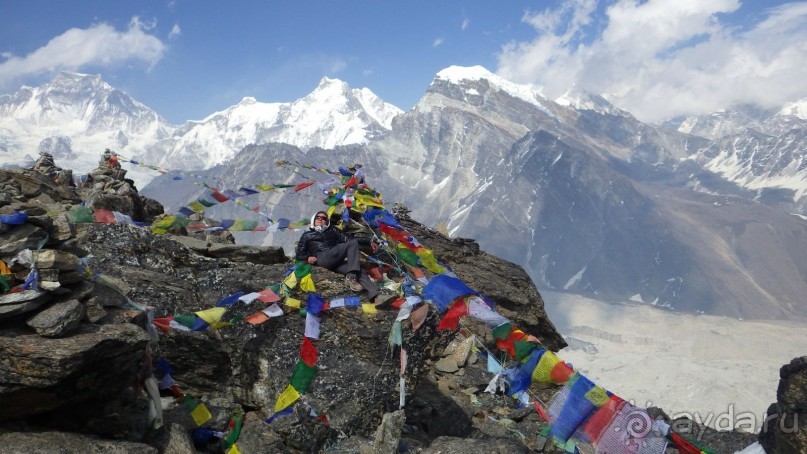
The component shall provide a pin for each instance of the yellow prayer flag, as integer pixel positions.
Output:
(331, 210)
(543, 371)
(428, 260)
(264, 187)
(293, 303)
(212, 315)
(291, 281)
(597, 396)
(307, 284)
(220, 325)
(369, 308)
(233, 450)
(200, 414)
(288, 397)
(196, 206)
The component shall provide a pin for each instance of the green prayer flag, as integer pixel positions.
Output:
(502, 331)
(302, 268)
(407, 256)
(186, 320)
(302, 376)
(395, 335)
(524, 348)
(233, 436)
(275, 288)
(190, 404)
(4, 284)
(206, 202)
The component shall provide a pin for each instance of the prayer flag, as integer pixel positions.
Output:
(291, 281)
(314, 303)
(451, 319)
(186, 211)
(302, 376)
(268, 296)
(352, 301)
(200, 414)
(312, 323)
(219, 197)
(443, 289)
(212, 315)
(257, 318)
(369, 308)
(196, 206)
(250, 297)
(338, 302)
(292, 302)
(286, 398)
(308, 352)
(230, 299)
(285, 412)
(395, 335)
(307, 284)
(304, 185)
(205, 202)
(273, 311)
(493, 364)
(478, 309)
(418, 316)
(302, 268)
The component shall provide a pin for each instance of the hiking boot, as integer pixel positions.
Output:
(353, 283)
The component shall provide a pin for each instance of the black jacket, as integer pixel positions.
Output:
(313, 242)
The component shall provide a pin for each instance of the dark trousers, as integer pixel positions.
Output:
(343, 259)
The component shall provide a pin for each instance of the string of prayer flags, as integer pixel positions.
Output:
(213, 315)
(451, 318)
(552, 369)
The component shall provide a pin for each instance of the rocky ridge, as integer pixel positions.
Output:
(73, 351)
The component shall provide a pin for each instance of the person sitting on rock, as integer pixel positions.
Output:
(323, 245)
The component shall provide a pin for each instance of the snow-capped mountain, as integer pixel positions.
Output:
(331, 115)
(75, 117)
(584, 196)
(764, 151)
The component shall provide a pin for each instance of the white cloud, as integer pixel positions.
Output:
(437, 42)
(465, 24)
(663, 58)
(175, 32)
(99, 45)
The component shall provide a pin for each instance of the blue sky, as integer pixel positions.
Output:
(187, 59)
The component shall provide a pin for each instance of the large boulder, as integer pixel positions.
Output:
(38, 374)
(785, 427)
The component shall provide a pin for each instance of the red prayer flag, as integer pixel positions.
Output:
(163, 324)
(541, 411)
(219, 196)
(452, 317)
(303, 185)
(308, 352)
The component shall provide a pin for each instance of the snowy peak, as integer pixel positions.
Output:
(462, 75)
(583, 100)
(795, 109)
(331, 115)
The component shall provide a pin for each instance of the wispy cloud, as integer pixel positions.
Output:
(465, 24)
(175, 32)
(437, 42)
(659, 59)
(99, 45)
